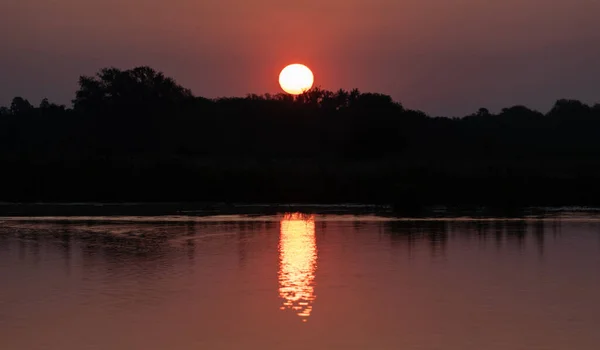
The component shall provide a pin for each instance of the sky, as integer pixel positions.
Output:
(445, 57)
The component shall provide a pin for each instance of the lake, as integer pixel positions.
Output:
(300, 281)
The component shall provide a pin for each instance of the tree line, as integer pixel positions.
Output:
(138, 135)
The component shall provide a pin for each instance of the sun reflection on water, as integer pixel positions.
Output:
(297, 263)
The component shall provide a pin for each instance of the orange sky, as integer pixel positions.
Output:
(444, 57)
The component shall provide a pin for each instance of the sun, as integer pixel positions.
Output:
(296, 78)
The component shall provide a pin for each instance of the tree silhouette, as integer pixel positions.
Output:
(45, 104)
(20, 106)
(140, 89)
(137, 135)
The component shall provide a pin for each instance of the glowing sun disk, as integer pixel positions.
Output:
(296, 78)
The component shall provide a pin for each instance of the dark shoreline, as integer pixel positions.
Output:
(261, 209)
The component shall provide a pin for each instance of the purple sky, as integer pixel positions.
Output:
(443, 57)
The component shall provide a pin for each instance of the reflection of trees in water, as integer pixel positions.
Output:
(125, 254)
(32, 239)
(245, 230)
(516, 232)
(147, 242)
(500, 232)
(4, 239)
(64, 236)
(29, 244)
(539, 235)
(409, 233)
(127, 247)
(190, 242)
(111, 241)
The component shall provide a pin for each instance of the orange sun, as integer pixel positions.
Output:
(295, 79)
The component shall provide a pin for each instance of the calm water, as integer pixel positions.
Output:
(299, 281)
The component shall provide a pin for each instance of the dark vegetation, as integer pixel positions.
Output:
(136, 135)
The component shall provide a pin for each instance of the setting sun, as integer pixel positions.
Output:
(296, 79)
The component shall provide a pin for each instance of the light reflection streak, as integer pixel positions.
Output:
(297, 263)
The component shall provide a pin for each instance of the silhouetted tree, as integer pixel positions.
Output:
(483, 112)
(520, 114)
(137, 135)
(136, 90)
(47, 109)
(569, 110)
(45, 104)
(20, 106)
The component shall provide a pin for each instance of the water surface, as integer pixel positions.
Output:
(300, 281)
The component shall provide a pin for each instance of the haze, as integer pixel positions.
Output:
(443, 57)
